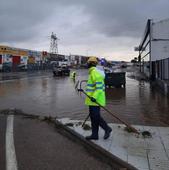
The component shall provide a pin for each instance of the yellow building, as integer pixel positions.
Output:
(13, 51)
(18, 55)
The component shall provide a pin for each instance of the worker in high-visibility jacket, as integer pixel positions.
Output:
(96, 90)
(73, 75)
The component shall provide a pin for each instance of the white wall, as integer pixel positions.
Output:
(6, 58)
(160, 49)
(24, 60)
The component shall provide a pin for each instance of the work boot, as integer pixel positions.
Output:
(91, 137)
(107, 133)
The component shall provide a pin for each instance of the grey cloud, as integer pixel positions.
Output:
(125, 18)
(21, 20)
(119, 17)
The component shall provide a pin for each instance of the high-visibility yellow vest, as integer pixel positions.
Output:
(73, 75)
(95, 87)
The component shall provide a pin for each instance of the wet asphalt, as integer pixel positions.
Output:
(2, 141)
(41, 145)
(42, 94)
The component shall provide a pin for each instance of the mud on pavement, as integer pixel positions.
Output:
(43, 143)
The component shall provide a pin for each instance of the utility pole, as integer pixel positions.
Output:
(53, 44)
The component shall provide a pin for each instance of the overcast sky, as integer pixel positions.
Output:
(107, 28)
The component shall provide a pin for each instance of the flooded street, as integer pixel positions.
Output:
(138, 103)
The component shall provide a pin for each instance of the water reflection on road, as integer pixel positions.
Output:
(138, 103)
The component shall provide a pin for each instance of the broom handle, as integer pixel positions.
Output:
(114, 115)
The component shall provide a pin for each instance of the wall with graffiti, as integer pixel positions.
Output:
(14, 59)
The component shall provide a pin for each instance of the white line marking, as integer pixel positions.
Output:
(11, 162)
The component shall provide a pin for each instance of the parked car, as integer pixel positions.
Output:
(22, 67)
(61, 70)
(65, 70)
(57, 71)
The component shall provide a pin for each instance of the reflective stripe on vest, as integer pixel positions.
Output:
(91, 85)
(99, 83)
(95, 88)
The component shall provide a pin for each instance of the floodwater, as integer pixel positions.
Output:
(137, 103)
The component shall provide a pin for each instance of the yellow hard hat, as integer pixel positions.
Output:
(92, 60)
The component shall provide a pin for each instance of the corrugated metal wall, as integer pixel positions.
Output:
(162, 69)
(160, 40)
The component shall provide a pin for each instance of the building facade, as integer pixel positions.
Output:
(154, 50)
(14, 57)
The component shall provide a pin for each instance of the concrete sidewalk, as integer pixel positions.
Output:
(151, 153)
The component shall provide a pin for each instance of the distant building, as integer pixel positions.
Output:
(19, 56)
(78, 60)
(14, 57)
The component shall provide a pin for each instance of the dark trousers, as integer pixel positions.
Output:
(96, 120)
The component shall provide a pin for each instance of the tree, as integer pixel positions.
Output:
(134, 60)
